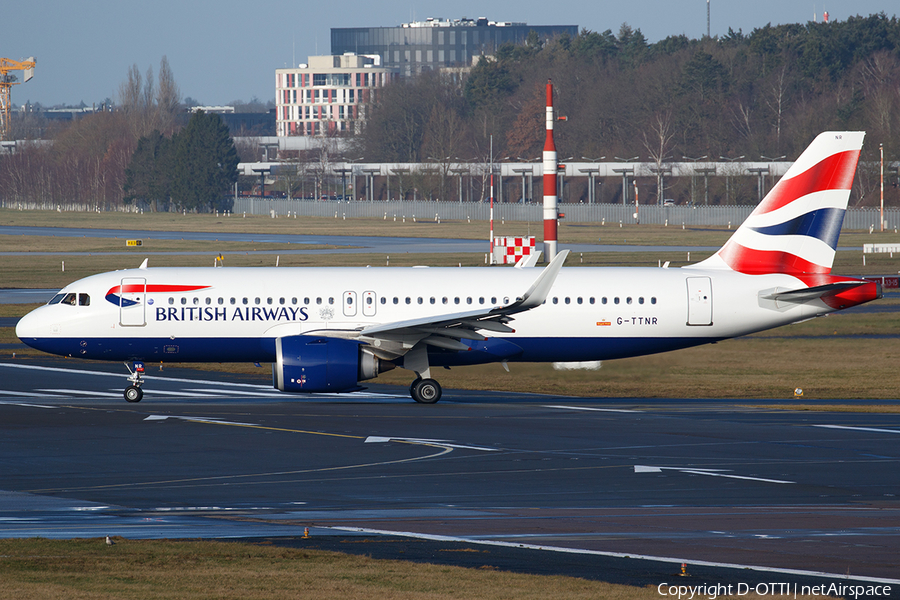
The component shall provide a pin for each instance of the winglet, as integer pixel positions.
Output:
(539, 290)
(144, 264)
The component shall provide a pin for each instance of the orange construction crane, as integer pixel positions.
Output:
(6, 82)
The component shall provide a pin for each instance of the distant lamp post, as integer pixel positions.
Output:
(625, 171)
(694, 177)
(728, 175)
(591, 173)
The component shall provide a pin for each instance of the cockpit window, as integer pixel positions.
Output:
(69, 299)
(84, 300)
(56, 299)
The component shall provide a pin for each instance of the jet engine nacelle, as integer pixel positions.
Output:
(320, 364)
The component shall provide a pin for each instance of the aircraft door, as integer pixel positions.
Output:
(699, 291)
(132, 301)
(368, 307)
(349, 302)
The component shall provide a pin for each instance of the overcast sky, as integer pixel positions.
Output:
(224, 51)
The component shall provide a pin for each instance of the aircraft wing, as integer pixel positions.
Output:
(446, 331)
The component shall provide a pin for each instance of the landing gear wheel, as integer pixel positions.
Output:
(425, 391)
(133, 393)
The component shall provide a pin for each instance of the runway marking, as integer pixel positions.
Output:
(26, 394)
(26, 404)
(271, 394)
(620, 410)
(665, 559)
(374, 439)
(85, 393)
(710, 472)
(199, 420)
(874, 429)
(153, 392)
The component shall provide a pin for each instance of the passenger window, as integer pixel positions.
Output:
(196, 300)
(232, 301)
(420, 300)
(432, 300)
(592, 300)
(396, 300)
(653, 300)
(293, 300)
(628, 300)
(209, 300)
(184, 299)
(245, 301)
(603, 300)
(456, 300)
(330, 300)
(268, 301)
(555, 300)
(281, 301)
(616, 300)
(567, 300)
(579, 300)
(221, 300)
(349, 300)
(445, 300)
(256, 301)
(318, 301)
(383, 300)
(481, 300)
(171, 300)
(493, 299)
(469, 300)
(306, 301)
(84, 300)
(641, 300)
(408, 300)
(369, 300)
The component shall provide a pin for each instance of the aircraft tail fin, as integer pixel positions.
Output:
(795, 228)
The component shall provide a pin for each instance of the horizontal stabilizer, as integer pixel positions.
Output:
(814, 293)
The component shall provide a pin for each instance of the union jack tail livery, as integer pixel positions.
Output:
(795, 229)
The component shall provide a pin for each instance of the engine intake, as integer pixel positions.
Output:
(320, 364)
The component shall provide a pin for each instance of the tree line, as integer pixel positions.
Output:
(760, 95)
(145, 151)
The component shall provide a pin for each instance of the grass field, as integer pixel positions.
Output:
(183, 570)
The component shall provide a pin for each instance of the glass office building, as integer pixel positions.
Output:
(437, 43)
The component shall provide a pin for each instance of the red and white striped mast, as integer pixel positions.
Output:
(551, 213)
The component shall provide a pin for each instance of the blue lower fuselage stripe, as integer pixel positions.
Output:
(263, 349)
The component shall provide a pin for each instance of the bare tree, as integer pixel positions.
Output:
(659, 145)
(168, 98)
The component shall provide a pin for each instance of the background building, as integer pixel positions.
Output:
(436, 43)
(327, 95)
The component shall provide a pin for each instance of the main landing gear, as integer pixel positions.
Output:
(134, 393)
(425, 391)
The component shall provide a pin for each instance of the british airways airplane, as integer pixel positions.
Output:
(327, 329)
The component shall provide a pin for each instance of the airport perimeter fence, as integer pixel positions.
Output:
(689, 216)
(855, 218)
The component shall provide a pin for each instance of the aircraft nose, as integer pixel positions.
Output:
(28, 326)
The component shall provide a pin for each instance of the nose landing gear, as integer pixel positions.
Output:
(134, 393)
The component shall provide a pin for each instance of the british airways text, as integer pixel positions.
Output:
(209, 313)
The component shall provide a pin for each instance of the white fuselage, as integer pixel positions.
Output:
(235, 314)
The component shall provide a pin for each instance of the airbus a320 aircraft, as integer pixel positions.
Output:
(327, 329)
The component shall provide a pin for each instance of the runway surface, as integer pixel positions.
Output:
(618, 489)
